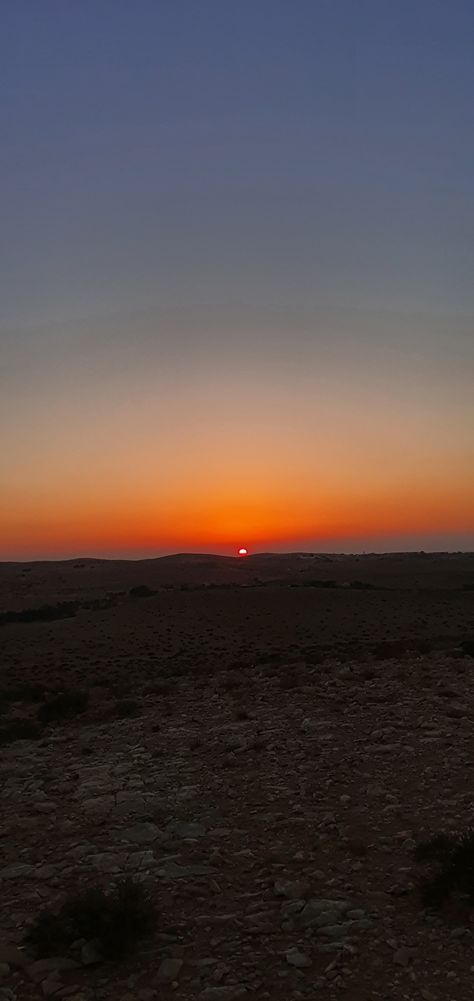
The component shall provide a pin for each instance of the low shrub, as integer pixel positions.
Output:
(45, 613)
(389, 650)
(141, 591)
(126, 707)
(449, 859)
(23, 693)
(117, 919)
(66, 705)
(19, 729)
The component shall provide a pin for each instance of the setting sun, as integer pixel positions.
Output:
(243, 552)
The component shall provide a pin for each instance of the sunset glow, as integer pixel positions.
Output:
(238, 301)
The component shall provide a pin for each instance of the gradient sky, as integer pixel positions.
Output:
(236, 283)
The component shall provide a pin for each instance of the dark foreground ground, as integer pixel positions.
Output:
(262, 758)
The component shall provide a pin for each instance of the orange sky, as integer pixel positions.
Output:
(263, 467)
(236, 295)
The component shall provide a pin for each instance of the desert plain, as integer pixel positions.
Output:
(260, 744)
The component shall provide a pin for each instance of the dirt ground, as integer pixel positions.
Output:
(262, 758)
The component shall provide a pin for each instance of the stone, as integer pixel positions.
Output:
(98, 807)
(50, 986)
(11, 955)
(91, 953)
(298, 959)
(186, 830)
(143, 859)
(41, 969)
(19, 871)
(291, 889)
(169, 970)
(44, 806)
(404, 956)
(142, 834)
(315, 907)
(225, 993)
(171, 870)
(338, 931)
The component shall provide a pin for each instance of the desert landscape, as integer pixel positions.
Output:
(258, 745)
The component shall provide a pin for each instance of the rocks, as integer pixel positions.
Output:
(338, 931)
(171, 870)
(274, 879)
(42, 968)
(228, 993)
(404, 956)
(185, 830)
(169, 971)
(291, 889)
(91, 953)
(17, 871)
(142, 834)
(50, 986)
(298, 959)
(12, 956)
(315, 908)
(98, 807)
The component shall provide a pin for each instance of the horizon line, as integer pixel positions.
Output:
(240, 558)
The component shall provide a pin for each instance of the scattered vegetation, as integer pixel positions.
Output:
(449, 859)
(99, 604)
(389, 650)
(19, 729)
(66, 705)
(23, 693)
(117, 919)
(126, 707)
(45, 613)
(141, 591)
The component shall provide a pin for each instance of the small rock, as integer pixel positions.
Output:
(142, 834)
(404, 956)
(50, 986)
(336, 932)
(227, 993)
(11, 954)
(42, 968)
(169, 970)
(91, 953)
(298, 959)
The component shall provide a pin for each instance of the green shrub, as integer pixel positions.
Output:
(126, 707)
(450, 861)
(141, 591)
(19, 729)
(66, 705)
(117, 919)
(23, 693)
(46, 613)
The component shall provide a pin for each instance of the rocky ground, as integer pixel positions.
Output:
(264, 784)
(272, 813)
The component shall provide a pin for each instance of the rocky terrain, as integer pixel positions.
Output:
(263, 761)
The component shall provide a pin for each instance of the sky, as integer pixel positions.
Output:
(236, 276)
